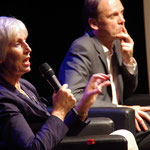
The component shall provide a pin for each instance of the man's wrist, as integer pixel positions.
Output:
(130, 61)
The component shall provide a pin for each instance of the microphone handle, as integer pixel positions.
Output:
(54, 83)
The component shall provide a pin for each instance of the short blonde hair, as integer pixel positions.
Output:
(9, 27)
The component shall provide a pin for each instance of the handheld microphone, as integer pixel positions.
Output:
(48, 73)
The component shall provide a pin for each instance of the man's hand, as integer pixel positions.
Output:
(140, 116)
(127, 45)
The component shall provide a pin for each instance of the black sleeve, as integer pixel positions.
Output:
(74, 123)
(16, 132)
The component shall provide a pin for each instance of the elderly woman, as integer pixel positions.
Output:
(25, 122)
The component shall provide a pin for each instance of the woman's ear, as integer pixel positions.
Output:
(93, 24)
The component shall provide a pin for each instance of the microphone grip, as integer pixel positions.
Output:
(53, 81)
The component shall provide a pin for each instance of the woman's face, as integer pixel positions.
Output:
(18, 55)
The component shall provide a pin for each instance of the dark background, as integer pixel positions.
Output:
(53, 25)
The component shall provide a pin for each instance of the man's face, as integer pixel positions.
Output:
(110, 20)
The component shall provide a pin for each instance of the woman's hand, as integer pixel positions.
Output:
(94, 87)
(63, 101)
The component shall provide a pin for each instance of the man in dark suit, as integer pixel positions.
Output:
(106, 38)
(106, 47)
(86, 57)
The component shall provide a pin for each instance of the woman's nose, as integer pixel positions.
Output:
(27, 47)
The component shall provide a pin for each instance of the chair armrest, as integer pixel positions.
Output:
(98, 126)
(102, 142)
(123, 118)
(138, 99)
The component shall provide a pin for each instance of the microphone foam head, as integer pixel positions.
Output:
(44, 67)
(46, 70)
